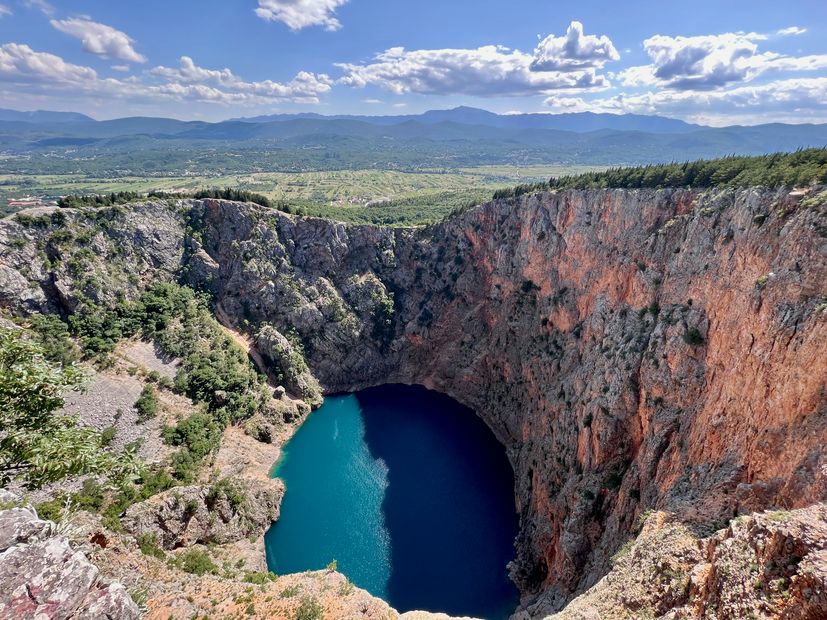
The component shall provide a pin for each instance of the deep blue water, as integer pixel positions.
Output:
(410, 493)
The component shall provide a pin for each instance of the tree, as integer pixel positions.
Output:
(38, 446)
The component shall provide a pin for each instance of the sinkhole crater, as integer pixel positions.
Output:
(410, 493)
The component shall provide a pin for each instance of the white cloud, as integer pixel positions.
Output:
(486, 71)
(100, 39)
(711, 61)
(298, 14)
(573, 51)
(41, 73)
(41, 5)
(4, 10)
(21, 64)
(121, 68)
(791, 31)
(303, 88)
(790, 100)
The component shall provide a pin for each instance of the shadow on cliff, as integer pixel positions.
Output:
(449, 504)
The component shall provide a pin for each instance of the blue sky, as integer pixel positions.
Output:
(716, 62)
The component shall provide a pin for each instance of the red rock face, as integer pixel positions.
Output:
(632, 349)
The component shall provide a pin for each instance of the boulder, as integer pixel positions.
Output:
(42, 576)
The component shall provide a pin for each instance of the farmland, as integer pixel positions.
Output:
(376, 196)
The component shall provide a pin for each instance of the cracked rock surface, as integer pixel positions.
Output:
(42, 576)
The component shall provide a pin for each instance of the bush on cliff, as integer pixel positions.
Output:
(195, 561)
(147, 404)
(197, 436)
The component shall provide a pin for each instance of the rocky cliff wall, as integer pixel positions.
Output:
(631, 349)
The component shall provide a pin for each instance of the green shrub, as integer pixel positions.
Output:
(53, 335)
(197, 436)
(225, 488)
(152, 481)
(90, 497)
(195, 561)
(148, 544)
(108, 435)
(693, 337)
(259, 578)
(214, 370)
(308, 609)
(97, 200)
(147, 404)
(289, 592)
(51, 510)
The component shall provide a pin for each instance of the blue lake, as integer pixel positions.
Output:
(410, 493)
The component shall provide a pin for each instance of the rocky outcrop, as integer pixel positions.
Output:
(633, 350)
(288, 365)
(42, 576)
(767, 565)
(227, 511)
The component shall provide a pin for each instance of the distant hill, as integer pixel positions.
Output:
(576, 121)
(44, 116)
(62, 143)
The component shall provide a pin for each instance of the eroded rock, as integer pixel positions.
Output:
(226, 511)
(42, 576)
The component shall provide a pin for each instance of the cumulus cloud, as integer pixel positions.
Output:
(485, 71)
(43, 73)
(298, 14)
(711, 61)
(791, 31)
(788, 100)
(303, 88)
(100, 39)
(573, 51)
(21, 64)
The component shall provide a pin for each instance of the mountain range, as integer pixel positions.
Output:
(57, 142)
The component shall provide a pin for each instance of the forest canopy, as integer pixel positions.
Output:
(804, 167)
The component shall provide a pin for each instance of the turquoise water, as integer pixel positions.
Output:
(410, 493)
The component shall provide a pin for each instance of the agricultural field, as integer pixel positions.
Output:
(367, 196)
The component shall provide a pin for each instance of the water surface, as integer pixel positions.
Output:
(410, 493)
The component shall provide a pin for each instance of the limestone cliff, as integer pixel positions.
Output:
(633, 350)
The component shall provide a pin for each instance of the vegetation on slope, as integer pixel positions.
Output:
(117, 198)
(410, 211)
(38, 446)
(214, 370)
(801, 168)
